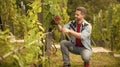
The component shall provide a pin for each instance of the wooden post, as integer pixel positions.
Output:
(1, 24)
(48, 44)
(111, 34)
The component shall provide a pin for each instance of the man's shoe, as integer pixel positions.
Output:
(86, 64)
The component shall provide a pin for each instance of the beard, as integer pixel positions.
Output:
(77, 19)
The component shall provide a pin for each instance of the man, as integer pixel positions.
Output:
(78, 34)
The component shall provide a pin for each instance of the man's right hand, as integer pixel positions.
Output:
(65, 30)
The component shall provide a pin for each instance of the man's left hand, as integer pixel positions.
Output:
(65, 30)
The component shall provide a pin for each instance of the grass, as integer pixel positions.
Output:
(55, 60)
(97, 60)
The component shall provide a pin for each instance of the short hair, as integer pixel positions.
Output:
(82, 9)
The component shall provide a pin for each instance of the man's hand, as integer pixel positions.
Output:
(65, 30)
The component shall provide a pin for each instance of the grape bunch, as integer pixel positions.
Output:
(56, 20)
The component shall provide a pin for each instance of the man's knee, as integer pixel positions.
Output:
(63, 42)
(87, 56)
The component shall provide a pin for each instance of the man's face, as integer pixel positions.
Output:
(78, 15)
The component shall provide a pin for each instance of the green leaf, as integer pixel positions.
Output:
(21, 63)
(41, 28)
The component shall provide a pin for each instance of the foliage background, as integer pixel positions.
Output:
(30, 19)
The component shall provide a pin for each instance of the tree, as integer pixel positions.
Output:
(93, 7)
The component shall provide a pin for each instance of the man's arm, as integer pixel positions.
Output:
(85, 33)
(74, 33)
(66, 30)
(59, 27)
